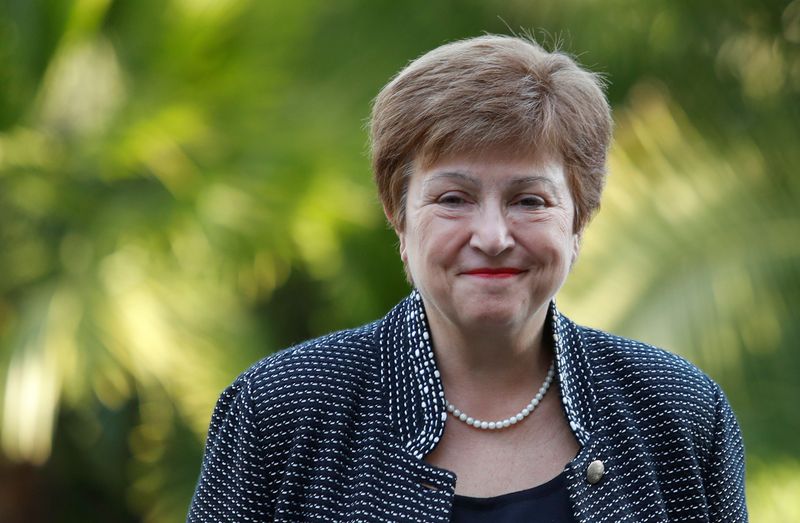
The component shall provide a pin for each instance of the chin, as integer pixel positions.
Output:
(499, 316)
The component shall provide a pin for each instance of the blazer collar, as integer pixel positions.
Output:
(410, 377)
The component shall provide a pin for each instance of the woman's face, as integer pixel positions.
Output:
(488, 239)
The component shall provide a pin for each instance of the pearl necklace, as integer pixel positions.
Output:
(513, 420)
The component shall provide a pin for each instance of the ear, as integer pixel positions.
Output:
(388, 213)
(576, 248)
(400, 235)
(402, 239)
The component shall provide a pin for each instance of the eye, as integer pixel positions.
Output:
(451, 199)
(530, 202)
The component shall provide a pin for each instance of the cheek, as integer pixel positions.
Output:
(565, 237)
(553, 251)
(551, 244)
(432, 240)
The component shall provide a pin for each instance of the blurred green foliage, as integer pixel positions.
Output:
(184, 189)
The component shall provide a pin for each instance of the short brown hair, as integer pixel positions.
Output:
(487, 92)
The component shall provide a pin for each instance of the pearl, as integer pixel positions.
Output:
(513, 420)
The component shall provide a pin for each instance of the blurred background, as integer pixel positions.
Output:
(184, 189)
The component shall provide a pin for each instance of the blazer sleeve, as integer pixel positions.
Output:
(724, 478)
(231, 483)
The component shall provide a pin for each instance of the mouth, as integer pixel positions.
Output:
(494, 272)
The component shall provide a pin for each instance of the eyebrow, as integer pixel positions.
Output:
(475, 180)
(451, 175)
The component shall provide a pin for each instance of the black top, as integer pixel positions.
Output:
(547, 503)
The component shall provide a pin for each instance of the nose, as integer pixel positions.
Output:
(491, 234)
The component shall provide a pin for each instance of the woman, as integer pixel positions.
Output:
(474, 399)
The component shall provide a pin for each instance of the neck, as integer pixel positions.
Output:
(490, 360)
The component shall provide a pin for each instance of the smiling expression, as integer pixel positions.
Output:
(488, 239)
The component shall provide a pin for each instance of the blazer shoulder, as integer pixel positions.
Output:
(626, 359)
(337, 365)
(651, 384)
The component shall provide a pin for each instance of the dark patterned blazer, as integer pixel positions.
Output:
(335, 429)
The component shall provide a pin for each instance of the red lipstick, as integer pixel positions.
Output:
(494, 272)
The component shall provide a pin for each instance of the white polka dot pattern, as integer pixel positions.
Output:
(335, 429)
